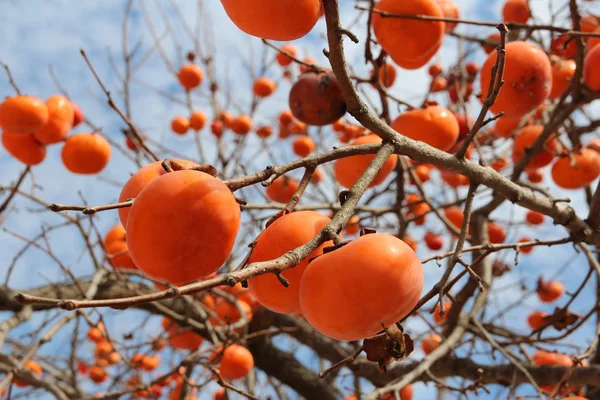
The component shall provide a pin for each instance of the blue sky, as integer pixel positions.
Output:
(51, 35)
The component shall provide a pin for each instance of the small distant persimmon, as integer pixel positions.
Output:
(241, 125)
(535, 320)
(264, 87)
(180, 125)
(282, 189)
(264, 132)
(534, 217)
(549, 291)
(60, 120)
(303, 146)
(181, 338)
(198, 120)
(577, 171)
(430, 343)
(190, 76)
(33, 367)
(235, 362)
(283, 59)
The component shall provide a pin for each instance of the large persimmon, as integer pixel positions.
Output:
(60, 120)
(182, 226)
(525, 138)
(86, 153)
(591, 69)
(349, 169)
(24, 147)
(351, 292)
(283, 235)
(527, 79)
(577, 172)
(141, 179)
(274, 19)
(410, 42)
(316, 98)
(433, 125)
(23, 114)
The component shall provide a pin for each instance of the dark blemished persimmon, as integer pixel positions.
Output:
(283, 59)
(282, 189)
(24, 147)
(410, 43)
(264, 87)
(527, 79)
(23, 114)
(86, 153)
(303, 146)
(274, 19)
(181, 338)
(591, 69)
(316, 98)
(562, 73)
(450, 10)
(264, 132)
(59, 123)
(383, 280)
(516, 11)
(141, 179)
(577, 171)
(525, 138)
(433, 125)
(235, 362)
(348, 170)
(190, 76)
(182, 226)
(283, 235)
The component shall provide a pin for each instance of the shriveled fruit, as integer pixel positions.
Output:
(282, 189)
(303, 146)
(235, 362)
(410, 43)
(274, 19)
(316, 98)
(591, 69)
(348, 170)
(525, 138)
(118, 255)
(23, 114)
(535, 320)
(516, 11)
(578, 171)
(60, 120)
(433, 125)
(181, 338)
(190, 76)
(197, 217)
(527, 79)
(264, 87)
(24, 147)
(283, 235)
(86, 153)
(430, 343)
(373, 264)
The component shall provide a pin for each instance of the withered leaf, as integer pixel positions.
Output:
(388, 346)
(562, 319)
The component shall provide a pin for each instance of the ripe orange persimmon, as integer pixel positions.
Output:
(96, 335)
(440, 319)
(542, 357)
(516, 11)
(219, 394)
(303, 146)
(433, 241)
(60, 120)
(296, 127)
(274, 19)
(534, 217)
(438, 84)
(504, 127)
(549, 291)
(283, 59)
(264, 87)
(454, 179)
(423, 172)
(576, 172)
(33, 367)
(23, 114)
(562, 73)
(527, 79)
(199, 217)
(435, 69)
(180, 125)
(285, 234)
(198, 120)
(78, 116)
(561, 48)
(190, 76)
(525, 138)
(180, 338)
(241, 125)
(387, 75)
(349, 169)
(118, 255)
(228, 312)
(493, 42)
(264, 132)
(410, 43)
(496, 233)
(282, 189)
(235, 362)
(433, 125)
(150, 362)
(430, 343)
(525, 250)
(317, 176)
(591, 69)
(24, 147)
(353, 225)
(455, 215)
(316, 98)
(286, 117)
(375, 263)
(535, 320)
(417, 208)
(591, 41)
(86, 153)
(450, 10)
(98, 374)
(310, 61)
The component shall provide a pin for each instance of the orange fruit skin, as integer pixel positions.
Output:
(410, 43)
(430, 343)
(536, 319)
(439, 319)
(140, 180)
(584, 172)
(78, 116)
(24, 148)
(274, 19)
(198, 120)
(115, 234)
(557, 46)
(433, 125)
(60, 120)
(34, 368)
(349, 169)
(562, 73)
(241, 125)
(236, 362)
(180, 338)
(534, 217)
(190, 76)
(282, 189)
(264, 87)
(504, 127)
(264, 132)
(86, 153)
(284, 60)
(121, 260)
(353, 308)
(387, 77)
(524, 139)
(450, 10)
(303, 146)
(592, 41)
(591, 69)
(228, 312)
(492, 38)
(516, 11)
(283, 235)
(182, 226)
(23, 114)
(550, 291)
(180, 125)
(525, 250)
(527, 79)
